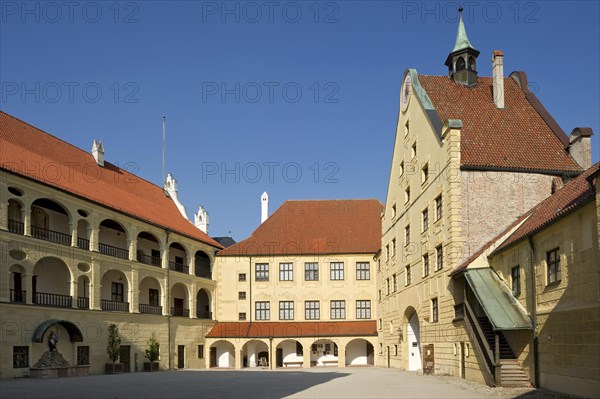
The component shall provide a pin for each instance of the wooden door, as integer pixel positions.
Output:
(213, 357)
(125, 357)
(180, 357)
(279, 357)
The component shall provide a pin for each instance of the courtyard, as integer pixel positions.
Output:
(367, 382)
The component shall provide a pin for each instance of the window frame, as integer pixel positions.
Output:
(363, 309)
(425, 220)
(337, 309)
(311, 269)
(435, 310)
(438, 207)
(241, 277)
(262, 310)
(363, 271)
(439, 257)
(336, 271)
(408, 279)
(261, 272)
(20, 360)
(312, 308)
(553, 266)
(286, 271)
(241, 295)
(515, 279)
(117, 291)
(286, 310)
(426, 265)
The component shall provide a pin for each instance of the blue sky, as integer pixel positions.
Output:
(296, 98)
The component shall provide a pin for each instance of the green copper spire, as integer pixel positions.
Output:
(462, 41)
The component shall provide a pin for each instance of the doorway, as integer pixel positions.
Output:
(125, 357)
(180, 357)
(279, 357)
(414, 346)
(213, 357)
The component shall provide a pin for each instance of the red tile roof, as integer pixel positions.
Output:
(570, 197)
(35, 154)
(516, 137)
(317, 329)
(316, 227)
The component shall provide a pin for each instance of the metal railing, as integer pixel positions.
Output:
(50, 235)
(83, 302)
(481, 345)
(115, 306)
(179, 267)
(149, 259)
(203, 273)
(53, 300)
(204, 314)
(19, 296)
(151, 309)
(14, 226)
(113, 251)
(180, 312)
(83, 243)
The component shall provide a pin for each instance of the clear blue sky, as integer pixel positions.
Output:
(298, 99)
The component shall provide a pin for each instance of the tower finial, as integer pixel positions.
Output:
(461, 61)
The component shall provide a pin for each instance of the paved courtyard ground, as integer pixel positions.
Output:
(262, 384)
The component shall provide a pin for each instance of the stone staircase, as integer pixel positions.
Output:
(511, 372)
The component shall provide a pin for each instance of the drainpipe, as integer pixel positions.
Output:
(250, 289)
(168, 298)
(536, 360)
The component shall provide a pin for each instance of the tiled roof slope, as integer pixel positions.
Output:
(317, 329)
(316, 227)
(33, 153)
(571, 196)
(515, 137)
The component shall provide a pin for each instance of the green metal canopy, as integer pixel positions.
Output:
(498, 302)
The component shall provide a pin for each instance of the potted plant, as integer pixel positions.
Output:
(113, 350)
(152, 354)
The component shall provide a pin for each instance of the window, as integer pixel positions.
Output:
(425, 173)
(553, 261)
(380, 348)
(515, 274)
(393, 211)
(413, 150)
(379, 295)
(242, 316)
(380, 324)
(338, 309)
(378, 263)
(263, 311)
(299, 350)
(286, 272)
(401, 168)
(425, 265)
(387, 252)
(242, 295)
(363, 309)
(438, 208)
(286, 310)
(179, 260)
(387, 286)
(200, 351)
(336, 271)
(394, 247)
(434, 310)
(406, 128)
(262, 272)
(439, 253)
(408, 276)
(425, 219)
(363, 271)
(20, 357)
(407, 195)
(395, 350)
(152, 297)
(312, 310)
(83, 355)
(407, 235)
(116, 292)
(394, 283)
(311, 271)
(242, 277)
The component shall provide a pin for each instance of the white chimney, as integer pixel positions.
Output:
(264, 202)
(498, 78)
(98, 152)
(580, 146)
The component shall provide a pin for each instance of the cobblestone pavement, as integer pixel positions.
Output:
(263, 384)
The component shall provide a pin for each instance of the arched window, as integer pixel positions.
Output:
(472, 64)
(460, 64)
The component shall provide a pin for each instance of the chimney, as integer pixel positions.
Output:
(498, 78)
(580, 146)
(98, 152)
(264, 202)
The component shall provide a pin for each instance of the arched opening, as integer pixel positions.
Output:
(289, 353)
(50, 221)
(324, 352)
(17, 291)
(222, 354)
(472, 65)
(115, 291)
(460, 64)
(413, 340)
(202, 262)
(51, 283)
(359, 352)
(255, 354)
(112, 239)
(179, 299)
(203, 305)
(15, 217)
(148, 249)
(83, 292)
(150, 294)
(178, 258)
(83, 234)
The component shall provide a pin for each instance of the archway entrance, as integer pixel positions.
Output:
(414, 343)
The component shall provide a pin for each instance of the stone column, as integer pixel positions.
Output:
(239, 357)
(341, 354)
(166, 305)
(26, 217)
(74, 290)
(94, 234)
(73, 229)
(4, 215)
(28, 287)
(306, 349)
(192, 265)
(164, 256)
(132, 246)
(95, 286)
(5, 287)
(134, 291)
(193, 304)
